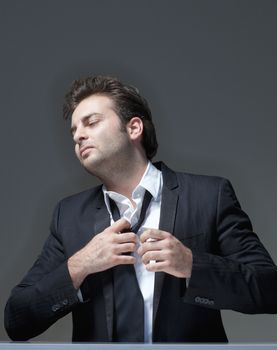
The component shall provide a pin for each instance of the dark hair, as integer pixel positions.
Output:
(128, 103)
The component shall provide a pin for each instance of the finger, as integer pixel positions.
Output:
(119, 225)
(125, 248)
(153, 234)
(126, 260)
(148, 246)
(157, 266)
(154, 255)
(151, 240)
(125, 237)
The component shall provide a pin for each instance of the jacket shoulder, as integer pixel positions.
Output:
(173, 178)
(199, 179)
(81, 197)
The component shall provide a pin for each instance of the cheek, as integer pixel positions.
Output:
(76, 148)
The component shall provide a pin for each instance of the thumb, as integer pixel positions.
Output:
(120, 225)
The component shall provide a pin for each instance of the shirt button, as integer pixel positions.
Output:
(55, 307)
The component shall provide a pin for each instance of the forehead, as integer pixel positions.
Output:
(94, 104)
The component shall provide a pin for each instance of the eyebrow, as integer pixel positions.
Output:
(84, 118)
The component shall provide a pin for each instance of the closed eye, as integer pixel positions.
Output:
(92, 122)
(88, 120)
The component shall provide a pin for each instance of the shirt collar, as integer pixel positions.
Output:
(150, 181)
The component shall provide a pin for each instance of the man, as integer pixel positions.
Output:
(152, 255)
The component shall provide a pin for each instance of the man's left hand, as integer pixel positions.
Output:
(168, 253)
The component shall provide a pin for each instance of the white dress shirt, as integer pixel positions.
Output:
(152, 182)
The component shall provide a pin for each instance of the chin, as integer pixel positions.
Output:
(91, 165)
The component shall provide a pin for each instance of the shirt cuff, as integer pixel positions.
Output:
(80, 296)
(187, 282)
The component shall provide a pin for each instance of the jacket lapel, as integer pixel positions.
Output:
(102, 221)
(167, 220)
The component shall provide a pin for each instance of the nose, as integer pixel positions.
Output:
(79, 134)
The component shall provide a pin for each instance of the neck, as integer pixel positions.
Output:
(124, 178)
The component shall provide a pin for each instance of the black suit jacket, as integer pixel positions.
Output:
(231, 268)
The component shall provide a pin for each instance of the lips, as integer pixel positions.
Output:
(84, 150)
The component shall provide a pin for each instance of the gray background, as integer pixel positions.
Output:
(207, 68)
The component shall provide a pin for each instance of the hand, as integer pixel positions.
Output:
(103, 252)
(169, 254)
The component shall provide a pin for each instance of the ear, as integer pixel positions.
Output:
(135, 128)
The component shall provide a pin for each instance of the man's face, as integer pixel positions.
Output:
(97, 133)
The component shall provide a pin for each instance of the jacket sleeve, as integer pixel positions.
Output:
(238, 274)
(45, 294)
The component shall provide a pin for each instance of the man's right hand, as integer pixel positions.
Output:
(103, 252)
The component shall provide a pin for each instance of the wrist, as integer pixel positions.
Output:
(77, 270)
(189, 260)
